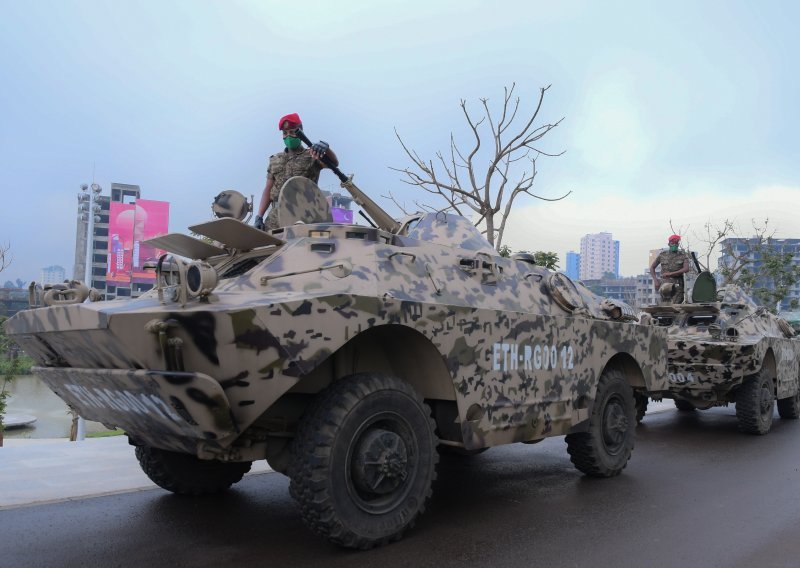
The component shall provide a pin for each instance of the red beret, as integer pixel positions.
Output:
(293, 120)
(674, 238)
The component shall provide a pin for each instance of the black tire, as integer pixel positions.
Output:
(364, 461)
(604, 450)
(755, 404)
(684, 405)
(789, 407)
(189, 475)
(641, 401)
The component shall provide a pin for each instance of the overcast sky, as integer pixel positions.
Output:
(682, 112)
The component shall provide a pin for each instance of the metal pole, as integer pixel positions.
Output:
(95, 191)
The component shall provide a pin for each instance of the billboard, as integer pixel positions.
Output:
(128, 225)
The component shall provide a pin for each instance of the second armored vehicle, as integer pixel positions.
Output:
(723, 348)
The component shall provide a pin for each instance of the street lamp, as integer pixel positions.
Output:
(89, 211)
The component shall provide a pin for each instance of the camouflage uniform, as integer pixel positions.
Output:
(672, 262)
(283, 166)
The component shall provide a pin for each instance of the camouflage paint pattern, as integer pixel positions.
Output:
(301, 201)
(517, 348)
(282, 167)
(713, 347)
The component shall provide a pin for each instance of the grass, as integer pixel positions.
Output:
(106, 433)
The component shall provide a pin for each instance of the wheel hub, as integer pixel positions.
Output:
(615, 425)
(766, 401)
(380, 462)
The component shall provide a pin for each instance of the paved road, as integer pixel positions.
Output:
(696, 493)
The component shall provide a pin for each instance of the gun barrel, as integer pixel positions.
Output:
(696, 262)
(381, 217)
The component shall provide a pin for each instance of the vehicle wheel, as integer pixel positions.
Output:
(604, 450)
(189, 475)
(641, 406)
(755, 403)
(365, 461)
(684, 405)
(789, 407)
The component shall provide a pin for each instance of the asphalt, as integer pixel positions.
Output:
(38, 471)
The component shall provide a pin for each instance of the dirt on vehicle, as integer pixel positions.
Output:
(348, 357)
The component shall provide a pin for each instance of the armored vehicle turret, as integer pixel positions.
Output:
(347, 356)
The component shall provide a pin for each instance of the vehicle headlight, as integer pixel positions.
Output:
(201, 279)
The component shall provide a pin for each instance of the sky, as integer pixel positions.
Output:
(673, 115)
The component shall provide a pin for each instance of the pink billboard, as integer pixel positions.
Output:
(128, 225)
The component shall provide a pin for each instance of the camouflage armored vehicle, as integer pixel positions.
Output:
(345, 355)
(723, 348)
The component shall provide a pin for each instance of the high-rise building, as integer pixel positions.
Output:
(646, 294)
(573, 269)
(129, 218)
(599, 256)
(53, 275)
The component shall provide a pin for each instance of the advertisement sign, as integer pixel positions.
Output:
(128, 225)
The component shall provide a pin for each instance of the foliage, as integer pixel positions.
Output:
(508, 150)
(11, 369)
(22, 364)
(755, 263)
(106, 433)
(541, 258)
(8, 376)
(547, 259)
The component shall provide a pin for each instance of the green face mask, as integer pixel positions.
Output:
(291, 142)
(673, 248)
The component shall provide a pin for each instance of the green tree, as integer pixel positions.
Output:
(548, 259)
(10, 371)
(755, 263)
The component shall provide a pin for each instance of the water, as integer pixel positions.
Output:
(29, 395)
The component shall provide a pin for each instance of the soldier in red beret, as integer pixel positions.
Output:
(293, 161)
(674, 264)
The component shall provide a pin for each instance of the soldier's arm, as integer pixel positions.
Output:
(653, 273)
(262, 206)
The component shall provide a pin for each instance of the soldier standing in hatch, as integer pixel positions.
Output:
(293, 161)
(674, 264)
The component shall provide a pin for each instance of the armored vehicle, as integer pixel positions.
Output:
(723, 348)
(345, 356)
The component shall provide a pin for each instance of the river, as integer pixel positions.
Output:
(29, 395)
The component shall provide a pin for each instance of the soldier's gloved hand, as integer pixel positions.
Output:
(259, 223)
(320, 148)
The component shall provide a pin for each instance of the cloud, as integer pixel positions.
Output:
(610, 124)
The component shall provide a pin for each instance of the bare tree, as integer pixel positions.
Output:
(741, 259)
(713, 235)
(5, 256)
(510, 162)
